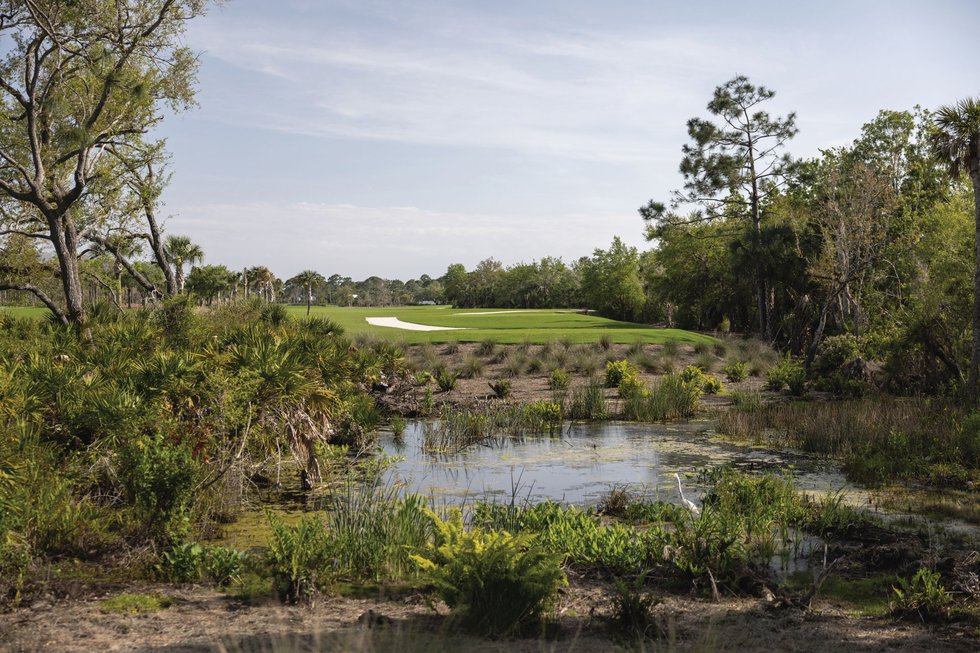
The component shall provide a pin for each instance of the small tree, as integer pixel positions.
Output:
(182, 251)
(732, 168)
(956, 143)
(307, 279)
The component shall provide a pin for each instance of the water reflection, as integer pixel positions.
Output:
(588, 459)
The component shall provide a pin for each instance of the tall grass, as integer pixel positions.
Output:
(669, 398)
(878, 439)
(587, 401)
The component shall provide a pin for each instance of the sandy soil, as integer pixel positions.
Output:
(203, 620)
(395, 323)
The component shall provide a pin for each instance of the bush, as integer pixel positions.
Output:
(559, 379)
(274, 315)
(158, 477)
(631, 616)
(543, 415)
(487, 347)
(736, 371)
(787, 373)
(710, 385)
(500, 387)
(296, 558)
(692, 374)
(495, 583)
(923, 596)
(834, 353)
(617, 371)
(446, 380)
(183, 563)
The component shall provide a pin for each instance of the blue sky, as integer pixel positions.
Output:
(394, 138)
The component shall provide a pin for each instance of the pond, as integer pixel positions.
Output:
(587, 460)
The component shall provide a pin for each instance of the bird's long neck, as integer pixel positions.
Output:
(679, 488)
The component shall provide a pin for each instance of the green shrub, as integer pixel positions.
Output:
(631, 616)
(223, 565)
(496, 584)
(559, 379)
(710, 385)
(176, 319)
(158, 477)
(632, 387)
(834, 353)
(274, 315)
(398, 426)
(472, 367)
(500, 388)
(692, 374)
(446, 380)
(736, 371)
(787, 373)
(183, 563)
(617, 371)
(924, 596)
(543, 415)
(296, 558)
(669, 398)
(487, 347)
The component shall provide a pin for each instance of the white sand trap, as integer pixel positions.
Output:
(395, 323)
(487, 313)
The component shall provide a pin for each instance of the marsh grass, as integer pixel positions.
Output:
(878, 439)
(459, 427)
(670, 397)
(587, 401)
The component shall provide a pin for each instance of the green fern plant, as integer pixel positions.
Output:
(495, 583)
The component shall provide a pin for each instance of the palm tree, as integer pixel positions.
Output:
(182, 251)
(307, 279)
(955, 142)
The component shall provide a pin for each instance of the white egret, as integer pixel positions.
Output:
(695, 511)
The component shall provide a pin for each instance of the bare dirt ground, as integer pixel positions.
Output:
(203, 620)
(531, 382)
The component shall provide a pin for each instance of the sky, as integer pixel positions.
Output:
(368, 137)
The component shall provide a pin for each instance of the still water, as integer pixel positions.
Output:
(588, 459)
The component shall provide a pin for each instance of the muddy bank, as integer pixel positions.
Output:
(205, 621)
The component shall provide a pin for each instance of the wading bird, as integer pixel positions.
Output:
(695, 511)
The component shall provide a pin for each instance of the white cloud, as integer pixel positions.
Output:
(585, 95)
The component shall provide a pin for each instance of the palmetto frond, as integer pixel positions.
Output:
(955, 141)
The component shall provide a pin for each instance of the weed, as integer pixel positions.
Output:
(736, 371)
(631, 610)
(500, 388)
(446, 380)
(135, 603)
(487, 347)
(471, 368)
(923, 596)
(587, 401)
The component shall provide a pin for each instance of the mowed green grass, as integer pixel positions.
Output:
(35, 312)
(535, 326)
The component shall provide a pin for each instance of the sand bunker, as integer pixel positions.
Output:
(395, 323)
(487, 313)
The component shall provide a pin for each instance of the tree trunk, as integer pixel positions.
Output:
(973, 383)
(309, 299)
(65, 242)
(159, 253)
